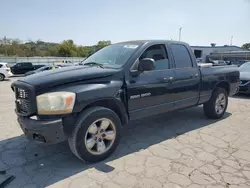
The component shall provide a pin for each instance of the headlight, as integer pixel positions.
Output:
(55, 103)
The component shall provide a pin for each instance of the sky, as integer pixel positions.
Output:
(89, 21)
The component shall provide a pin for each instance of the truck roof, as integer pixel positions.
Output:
(151, 42)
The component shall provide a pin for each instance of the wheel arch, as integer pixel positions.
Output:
(111, 103)
(2, 75)
(224, 85)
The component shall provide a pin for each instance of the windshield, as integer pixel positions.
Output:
(245, 67)
(114, 55)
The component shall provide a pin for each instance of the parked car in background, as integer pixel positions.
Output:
(4, 71)
(88, 105)
(239, 62)
(41, 69)
(245, 78)
(23, 67)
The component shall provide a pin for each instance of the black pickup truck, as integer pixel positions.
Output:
(23, 67)
(89, 104)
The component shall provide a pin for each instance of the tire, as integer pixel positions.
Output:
(209, 107)
(2, 77)
(77, 139)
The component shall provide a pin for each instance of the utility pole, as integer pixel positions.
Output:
(180, 33)
(231, 41)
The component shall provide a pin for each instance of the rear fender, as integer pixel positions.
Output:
(223, 84)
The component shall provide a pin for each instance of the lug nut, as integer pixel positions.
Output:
(100, 140)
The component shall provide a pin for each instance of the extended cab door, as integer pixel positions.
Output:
(149, 92)
(187, 76)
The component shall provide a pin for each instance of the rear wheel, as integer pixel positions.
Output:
(215, 108)
(2, 77)
(96, 134)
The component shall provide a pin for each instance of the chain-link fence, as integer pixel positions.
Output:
(40, 60)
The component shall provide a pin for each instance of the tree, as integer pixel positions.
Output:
(84, 51)
(102, 44)
(246, 46)
(67, 48)
(15, 47)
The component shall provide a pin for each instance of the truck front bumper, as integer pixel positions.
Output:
(44, 131)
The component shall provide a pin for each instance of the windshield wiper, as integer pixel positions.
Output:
(94, 64)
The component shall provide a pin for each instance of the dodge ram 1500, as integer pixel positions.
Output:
(90, 103)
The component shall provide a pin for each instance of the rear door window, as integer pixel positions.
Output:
(27, 64)
(181, 56)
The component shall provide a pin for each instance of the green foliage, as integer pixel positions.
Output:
(102, 44)
(246, 46)
(67, 48)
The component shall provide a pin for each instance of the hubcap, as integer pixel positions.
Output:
(220, 103)
(100, 136)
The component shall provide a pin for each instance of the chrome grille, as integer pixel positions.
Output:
(22, 94)
(22, 100)
(25, 98)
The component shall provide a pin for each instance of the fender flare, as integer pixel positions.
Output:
(112, 103)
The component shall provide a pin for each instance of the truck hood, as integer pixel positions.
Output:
(244, 75)
(67, 75)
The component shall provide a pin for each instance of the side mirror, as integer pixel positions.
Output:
(146, 64)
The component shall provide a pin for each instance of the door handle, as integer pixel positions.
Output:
(169, 79)
(195, 75)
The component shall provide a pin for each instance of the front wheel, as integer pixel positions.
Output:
(96, 134)
(215, 108)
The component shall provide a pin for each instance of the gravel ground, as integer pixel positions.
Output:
(178, 149)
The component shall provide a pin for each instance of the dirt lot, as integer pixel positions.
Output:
(179, 149)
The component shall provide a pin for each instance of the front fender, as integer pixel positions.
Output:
(89, 93)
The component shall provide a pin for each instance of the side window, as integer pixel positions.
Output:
(1, 65)
(159, 54)
(181, 55)
(25, 65)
